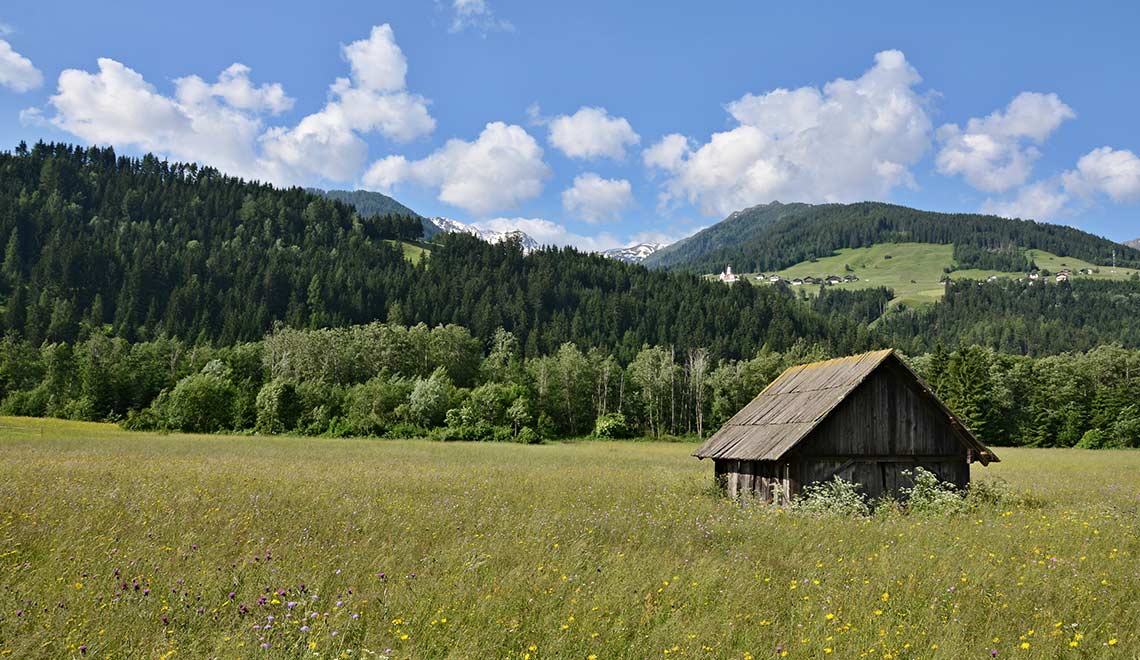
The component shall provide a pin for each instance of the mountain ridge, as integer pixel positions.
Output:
(776, 235)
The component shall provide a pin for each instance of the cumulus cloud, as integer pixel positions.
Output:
(592, 133)
(1103, 172)
(1043, 200)
(668, 154)
(373, 99)
(996, 152)
(595, 199)
(850, 140)
(235, 88)
(496, 171)
(16, 71)
(1113, 172)
(222, 123)
(117, 106)
(476, 14)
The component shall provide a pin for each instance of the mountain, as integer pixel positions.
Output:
(368, 203)
(634, 254)
(774, 236)
(452, 226)
(1133, 243)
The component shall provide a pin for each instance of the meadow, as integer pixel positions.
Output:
(132, 545)
(914, 270)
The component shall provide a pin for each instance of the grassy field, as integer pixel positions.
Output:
(119, 545)
(413, 253)
(914, 269)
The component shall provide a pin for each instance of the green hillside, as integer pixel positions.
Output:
(368, 203)
(777, 236)
(914, 271)
(412, 252)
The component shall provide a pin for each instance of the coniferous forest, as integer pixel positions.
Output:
(170, 296)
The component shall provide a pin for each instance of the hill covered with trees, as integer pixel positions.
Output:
(368, 203)
(143, 249)
(774, 236)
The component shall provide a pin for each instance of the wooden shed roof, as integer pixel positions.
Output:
(799, 400)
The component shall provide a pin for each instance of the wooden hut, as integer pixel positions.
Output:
(865, 418)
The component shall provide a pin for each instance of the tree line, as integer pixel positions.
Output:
(383, 379)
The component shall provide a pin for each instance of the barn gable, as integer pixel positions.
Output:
(849, 407)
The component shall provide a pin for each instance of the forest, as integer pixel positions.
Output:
(146, 249)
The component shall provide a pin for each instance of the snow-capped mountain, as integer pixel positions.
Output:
(489, 235)
(1135, 243)
(633, 254)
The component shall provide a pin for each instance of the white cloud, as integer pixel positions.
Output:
(117, 106)
(377, 62)
(497, 171)
(476, 14)
(851, 140)
(326, 143)
(16, 71)
(592, 133)
(595, 199)
(221, 123)
(1043, 200)
(668, 154)
(992, 153)
(234, 87)
(1114, 172)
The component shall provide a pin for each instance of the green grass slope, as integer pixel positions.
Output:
(914, 270)
(149, 546)
(412, 252)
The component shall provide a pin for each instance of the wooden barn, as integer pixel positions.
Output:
(865, 418)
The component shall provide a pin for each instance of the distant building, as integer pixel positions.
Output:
(992, 278)
(1035, 276)
(833, 280)
(1063, 277)
(797, 282)
(727, 276)
(775, 279)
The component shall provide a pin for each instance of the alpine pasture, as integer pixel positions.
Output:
(129, 545)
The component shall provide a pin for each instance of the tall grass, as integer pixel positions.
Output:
(120, 545)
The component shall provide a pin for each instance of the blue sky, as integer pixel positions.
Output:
(602, 123)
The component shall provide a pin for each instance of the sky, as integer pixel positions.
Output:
(601, 124)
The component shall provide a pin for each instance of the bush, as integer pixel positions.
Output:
(278, 407)
(1093, 439)
(319, 404)
(370, 408)
(834, 497)
(528, 436)
(611, 425)
(929, 495)
(1126, 429)
(201, 403)
(430, 399)
(26, 403)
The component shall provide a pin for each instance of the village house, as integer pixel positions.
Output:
(866, 419)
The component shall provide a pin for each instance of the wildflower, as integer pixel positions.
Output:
(83, 648)
(304, 629)
(232, 595)
(1112, 642)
